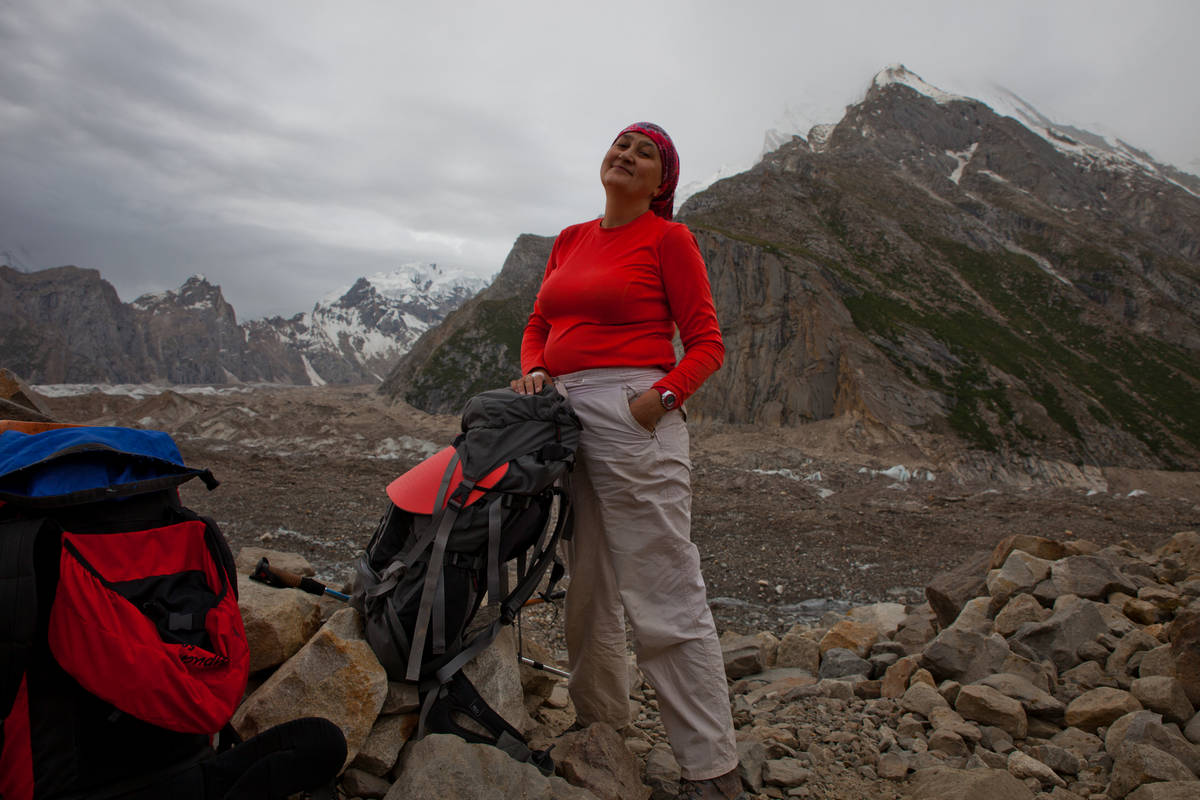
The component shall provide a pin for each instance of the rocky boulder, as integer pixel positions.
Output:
(335, 676)
(447, 766)
(1089, 577)
(278, 623)
(947, 783)
(596, 759)
(1074, 623)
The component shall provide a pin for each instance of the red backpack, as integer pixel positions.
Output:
(122, 649)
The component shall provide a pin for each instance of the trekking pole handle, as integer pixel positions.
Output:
(274, 576)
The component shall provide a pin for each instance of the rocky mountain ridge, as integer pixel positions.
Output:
(935, 271)
(67, 325)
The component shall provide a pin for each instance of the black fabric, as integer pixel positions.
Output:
(80, 743)
(525, 524)
(302, 755)
(18, 605)
(177, 605)
(219, 547)
(152, 510)
(391, 534)
(501, 426)
(457, 702)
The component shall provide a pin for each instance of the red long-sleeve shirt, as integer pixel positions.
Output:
(612, 297)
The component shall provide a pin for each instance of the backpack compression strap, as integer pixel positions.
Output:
(509, 608)
(391, 574)
(434, 588)
(496, 576)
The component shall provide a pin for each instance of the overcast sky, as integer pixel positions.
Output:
(284, 147)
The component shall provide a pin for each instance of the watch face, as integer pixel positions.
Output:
(668, 400)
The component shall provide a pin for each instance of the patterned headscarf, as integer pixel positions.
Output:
(662, 203)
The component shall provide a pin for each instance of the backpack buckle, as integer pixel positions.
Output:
(463, 491)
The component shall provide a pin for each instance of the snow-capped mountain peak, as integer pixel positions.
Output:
(376, 320)
(415, 282)
(902, 75)
(1089, 149)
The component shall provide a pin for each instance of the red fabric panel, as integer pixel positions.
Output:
(16, 759)
(138, 554)
(115, 652)
(416, 489)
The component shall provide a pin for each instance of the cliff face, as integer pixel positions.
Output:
(68, 323)
(928, 265)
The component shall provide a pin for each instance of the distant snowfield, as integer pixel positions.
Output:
(140, 391)
(901, 478)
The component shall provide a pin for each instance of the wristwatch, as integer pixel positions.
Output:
(669, 400)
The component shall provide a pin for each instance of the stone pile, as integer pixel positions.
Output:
(1046, 669)
(309, 657)
(1043, 670)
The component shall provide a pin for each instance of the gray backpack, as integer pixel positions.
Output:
(454, 524)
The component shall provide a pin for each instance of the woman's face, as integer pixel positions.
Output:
(632, 165)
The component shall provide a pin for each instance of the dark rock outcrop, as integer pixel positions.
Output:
(67, 325)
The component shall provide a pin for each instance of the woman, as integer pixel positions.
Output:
(612, 295)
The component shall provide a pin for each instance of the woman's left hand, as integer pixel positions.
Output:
(647, 409)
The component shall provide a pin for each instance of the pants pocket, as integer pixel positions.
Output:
(628, 393)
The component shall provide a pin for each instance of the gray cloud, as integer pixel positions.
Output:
(285, 148)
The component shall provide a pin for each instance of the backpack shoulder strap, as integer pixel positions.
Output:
(19, 601)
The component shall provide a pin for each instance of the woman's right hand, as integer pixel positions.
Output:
(531, 383)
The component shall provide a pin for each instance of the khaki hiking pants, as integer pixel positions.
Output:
(632, 553)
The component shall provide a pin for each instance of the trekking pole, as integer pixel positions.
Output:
(544, 667)
(280, 578)
(545, 598)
